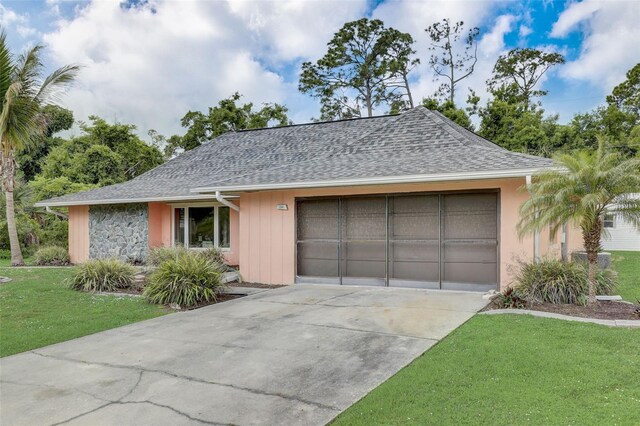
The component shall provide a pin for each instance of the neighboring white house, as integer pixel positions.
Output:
(622, 235)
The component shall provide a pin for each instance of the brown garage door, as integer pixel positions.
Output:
(445, 241)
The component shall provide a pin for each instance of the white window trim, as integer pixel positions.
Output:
(216, 225)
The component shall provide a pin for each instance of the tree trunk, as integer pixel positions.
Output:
(7, 170)
(16, 252)
(593, 268)
(591, 239)
(406, 83)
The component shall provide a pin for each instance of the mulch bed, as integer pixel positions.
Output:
(609, 310)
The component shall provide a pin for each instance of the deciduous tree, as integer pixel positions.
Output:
(227, 116)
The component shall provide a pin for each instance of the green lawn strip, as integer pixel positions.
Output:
(7, 262)
(37, 309)
(512, 370)
(627, 263)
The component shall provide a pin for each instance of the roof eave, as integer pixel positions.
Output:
(194, 197)
(385, 180)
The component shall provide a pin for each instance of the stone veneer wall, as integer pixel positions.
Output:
(119, 230)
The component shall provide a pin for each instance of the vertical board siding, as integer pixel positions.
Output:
(78, 233)
(267, 252)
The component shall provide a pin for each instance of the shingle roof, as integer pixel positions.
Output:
(416, 142)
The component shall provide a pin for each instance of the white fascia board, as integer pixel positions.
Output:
(195, 197)
(440, 177)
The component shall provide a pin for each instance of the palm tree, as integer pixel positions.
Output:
(23, 94)
(585, 186)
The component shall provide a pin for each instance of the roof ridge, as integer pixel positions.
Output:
(313, 123)
(460, 130)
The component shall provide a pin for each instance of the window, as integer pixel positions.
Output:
(609, 220)
(201, 227)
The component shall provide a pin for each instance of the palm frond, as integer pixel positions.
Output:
(55, 83)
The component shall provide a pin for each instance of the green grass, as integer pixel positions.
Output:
(627, 263)
(514, 370)
(7, 262)
(37, 309)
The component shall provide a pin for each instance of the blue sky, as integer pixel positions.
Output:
(148, 62)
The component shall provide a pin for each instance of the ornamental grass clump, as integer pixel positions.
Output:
(186, 280)
(158, 255)
(102, 275)
(51, 256)
(560, 282)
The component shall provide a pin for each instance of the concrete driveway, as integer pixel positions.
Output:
(295, 355)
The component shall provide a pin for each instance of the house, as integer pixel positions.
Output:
(408, 200)
(620, 234)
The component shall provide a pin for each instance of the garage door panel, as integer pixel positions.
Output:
(413, 251)
(319, 259)
(318, 228)
(417, 204)
(474, 252)
(474, 225)
(470, 273)
(364, 228)
(364, 250)
(318, 219)
(415, 271)
(414, 226)
(470, 202)
(364, 268)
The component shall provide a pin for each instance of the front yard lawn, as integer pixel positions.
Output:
(512, 370)
(627, 263)
(37, 309)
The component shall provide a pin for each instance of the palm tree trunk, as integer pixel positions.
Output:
(7, 169)
(593, 268)
(14, 242)
(591, 239)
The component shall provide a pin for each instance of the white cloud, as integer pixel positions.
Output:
(148, 65)
(9, 17)
(524, 31)
(574, 14)
(610, 40)
(25, 31)
(290, 29)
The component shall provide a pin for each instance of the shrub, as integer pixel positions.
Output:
(52, 256)
(557, 281)
(158, 255)
(509, 298)
(215, 255)
(187, 280)
(102, 275)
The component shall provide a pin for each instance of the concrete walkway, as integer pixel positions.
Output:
(295, 355)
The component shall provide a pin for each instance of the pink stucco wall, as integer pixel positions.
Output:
(78, 233)
(267, 235)
(263, 238)
(159, 225)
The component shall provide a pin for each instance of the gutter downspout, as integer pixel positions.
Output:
(226, 202)
(60, 215)
(536, 234)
